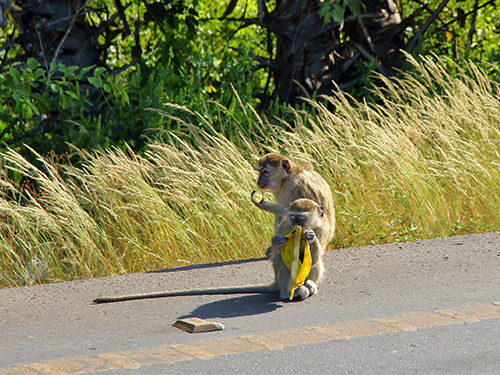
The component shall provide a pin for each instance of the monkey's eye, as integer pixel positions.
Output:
(292, 217)
(301, 217)
(265, 172)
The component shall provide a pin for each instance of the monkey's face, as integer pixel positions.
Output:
(267, 178)
(272, 173)
(298, 218)
(306, 213)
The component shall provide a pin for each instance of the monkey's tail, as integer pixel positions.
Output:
(243, 289)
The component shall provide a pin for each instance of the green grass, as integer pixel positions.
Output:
(423, 161)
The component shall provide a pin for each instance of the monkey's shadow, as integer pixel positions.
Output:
(237, 306)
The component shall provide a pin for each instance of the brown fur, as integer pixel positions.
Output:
(275, 160)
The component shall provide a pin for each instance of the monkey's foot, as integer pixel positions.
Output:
(311, 287)
(301, 293)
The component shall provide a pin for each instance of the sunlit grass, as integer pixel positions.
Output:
(422, 162)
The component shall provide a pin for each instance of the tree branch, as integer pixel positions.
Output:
(367, 36)
(469, 13)
(42, 49)
(397, 29)
(382, 69)
(229, 9)
(472, 23)
(121, 12)
(262, 10)
(68, 30)
(137, 50)
(411, 43)
(104, 26)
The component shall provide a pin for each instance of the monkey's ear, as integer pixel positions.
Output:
(321, 211)
(285, 164)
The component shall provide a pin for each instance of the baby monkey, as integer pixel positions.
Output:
(310, 216)
(304, 212)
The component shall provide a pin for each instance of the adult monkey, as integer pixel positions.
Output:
(290, 181)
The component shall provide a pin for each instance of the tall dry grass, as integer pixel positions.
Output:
(423, 161)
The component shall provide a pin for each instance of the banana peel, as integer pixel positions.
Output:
(290, 253)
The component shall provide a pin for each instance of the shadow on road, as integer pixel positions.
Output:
(208, 265)
(238, 306)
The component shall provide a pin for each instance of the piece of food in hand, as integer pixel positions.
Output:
(257, 196)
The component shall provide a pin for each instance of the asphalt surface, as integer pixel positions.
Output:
(428, 307)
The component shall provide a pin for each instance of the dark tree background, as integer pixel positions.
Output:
(299, 47)
(306, 53)
(314, 55)
(57, 30)
(317, 53)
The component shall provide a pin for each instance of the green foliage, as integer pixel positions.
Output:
(170, 29)
(455, 35)
(183, 55)
(48, 107)
(335, 10)
(179, 61)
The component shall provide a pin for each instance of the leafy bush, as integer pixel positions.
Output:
(48, 107)
(91, 109)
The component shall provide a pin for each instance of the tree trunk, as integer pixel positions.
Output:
(56, 30)
(312, 55)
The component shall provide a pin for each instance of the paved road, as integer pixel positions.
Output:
(430, 307)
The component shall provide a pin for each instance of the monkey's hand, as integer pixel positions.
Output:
(279, 240)
(274, 208)
(309, 235)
